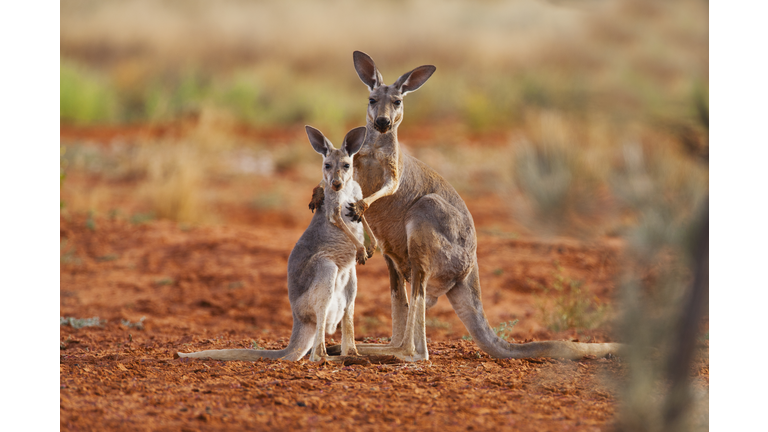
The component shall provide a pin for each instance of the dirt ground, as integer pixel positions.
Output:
(160, 287)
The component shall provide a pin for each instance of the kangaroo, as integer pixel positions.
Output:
(322, 282)
(426, 232)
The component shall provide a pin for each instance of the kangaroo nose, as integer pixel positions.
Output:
(382, 123)
(336, 184)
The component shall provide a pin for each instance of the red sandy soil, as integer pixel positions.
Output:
(224, 286)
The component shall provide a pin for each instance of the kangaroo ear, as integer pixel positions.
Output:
(319, 142)
(354, 140)
(366, 70)
(411, 81)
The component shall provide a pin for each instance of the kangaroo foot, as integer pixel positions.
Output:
(362, 360)
(385, 350)
(318, 196)
(356, 210)
(335, 351)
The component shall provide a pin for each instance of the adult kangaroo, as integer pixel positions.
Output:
(425, 232)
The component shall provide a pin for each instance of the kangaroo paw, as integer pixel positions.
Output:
(370, 250)
(356, 210)
(362, 256)
(318, 196)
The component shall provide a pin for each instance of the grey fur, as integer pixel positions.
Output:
(427, 234)
(322, 282)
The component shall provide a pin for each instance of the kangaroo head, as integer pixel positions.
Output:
(385, 103)
(337, 163)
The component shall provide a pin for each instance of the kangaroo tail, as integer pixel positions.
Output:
(466, 301)
(302, 338)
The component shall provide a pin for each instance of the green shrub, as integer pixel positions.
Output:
(85, 97)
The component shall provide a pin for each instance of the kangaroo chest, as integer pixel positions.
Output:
(337, 202)
(374, 165)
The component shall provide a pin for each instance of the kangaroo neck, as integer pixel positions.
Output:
(376, 139)
(331, 200)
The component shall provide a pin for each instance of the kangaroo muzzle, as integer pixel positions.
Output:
(337, 184)
(382, 124)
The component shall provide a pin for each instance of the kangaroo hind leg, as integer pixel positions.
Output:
(347, 320)
(320, 296)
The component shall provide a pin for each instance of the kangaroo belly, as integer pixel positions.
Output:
(340, 300)
(425, 199)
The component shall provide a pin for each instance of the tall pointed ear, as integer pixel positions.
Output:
(354, 140)
(411, 81)
(319, 142)
(366, 70)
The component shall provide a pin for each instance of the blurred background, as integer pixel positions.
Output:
(583, 107)
(564, 118)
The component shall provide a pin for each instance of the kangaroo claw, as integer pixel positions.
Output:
(362, 256)
(356, 210)
(370, 250)
(318, 196)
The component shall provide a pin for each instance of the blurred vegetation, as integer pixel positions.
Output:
(574, 86)
(571, 306)
(268, 63)
(268, 96)
(86, 96)
(79, 323)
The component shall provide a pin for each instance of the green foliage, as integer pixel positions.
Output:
(90, 222)
(78, 323)
(268, 95)
(164, 281)
(68, 254)
(265, 96)
(138, 325)
(141, 218)
(244, 97)
(256, 346)
(571, 308)
(174, 96)
(269, 200)
(85, 97)
(504, 330)
(107, 257)
(62, 172)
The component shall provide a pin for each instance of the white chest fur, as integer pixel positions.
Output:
(337, 201)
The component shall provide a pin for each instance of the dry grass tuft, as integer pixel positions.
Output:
(173, 183)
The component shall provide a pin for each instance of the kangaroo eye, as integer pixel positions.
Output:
(397, 102)
(346, 165)
(327, 166)
(371, 101)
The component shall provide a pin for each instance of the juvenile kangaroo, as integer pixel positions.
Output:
(322, 283)
(427, 234)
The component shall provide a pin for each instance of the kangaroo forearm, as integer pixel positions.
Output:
(369, 231)
(389, 188)
(339, 222)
